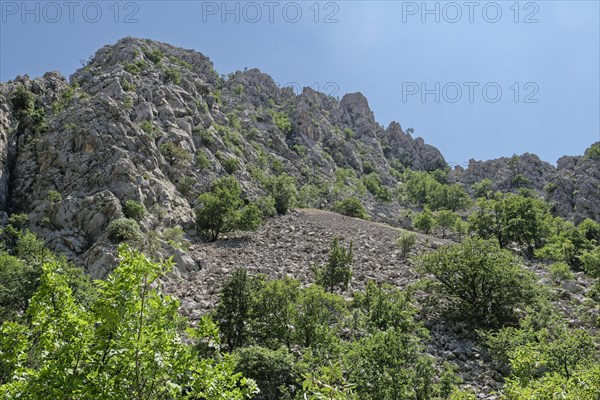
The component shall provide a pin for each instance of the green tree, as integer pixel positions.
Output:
(18, 282)
(175, 155)
(406, 241)
(282, 188)
(222, 210)
(446, 220)
(484, 283)
(234, 307)
(424, 221)
(336, 272)
(351, 207)
(483, 188)
(126, 345)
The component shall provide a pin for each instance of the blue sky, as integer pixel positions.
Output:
(543, 56)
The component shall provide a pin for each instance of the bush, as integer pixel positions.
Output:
(373, 184)
(593, 152)
(222, 210)
(54, 196)
(406, 242)
(424, 221)
(282, 121)
(560, 272)
(272, 370)
(446, 220)
(18, 282)
(123, 229)
(230, 164)
(202, 161)
(134, 210)
(266, 204)
(352, 207)
(484, 283)
(172, 75)
(336, 272)
(148, 127)
(185, 184)
(175, 155)
(283, 189)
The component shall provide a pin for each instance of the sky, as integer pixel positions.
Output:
(476, 79)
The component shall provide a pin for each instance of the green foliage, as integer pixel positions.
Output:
(148, 127)
(368, 167)
(174, 154)
(174, 237)
(266, 204)
(406, 242)
(336, 272)
(234, 307)
(180, 62)
(329, 383)
(28, 115)
(273, 370)
(373, 184)
(348, 133)
(185, 184)
(172, 75)
(127, 345)
(18, 282)
(282, 121)
(136, 68)
(300, 150)
(484, 283)
(202, 161)
(425, 221)
(134, 210)
(427, 188)
(54, 196)
(446, 220)
(127, 86)
(593, 152)
(512, 218)
(154, 55)
(352, 207)
(230, 164)
(560, 271)
(282, 188)
(483, 188)
(222, 210)
(123, 229)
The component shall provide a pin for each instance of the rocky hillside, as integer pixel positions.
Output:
(152, 123)
(97, 142)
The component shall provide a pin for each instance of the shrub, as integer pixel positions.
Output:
(136, 68)
(266, 204)
(560, 272)
(424, 221)
(202, 161)
(352, 207)
(123, 229)
(484, 283)
(18, 282)
(185, 184)
(134, 210)
(127, 86)
(282, 121)
(283, 189)
(174, 237)
(272, 370)
(593, 152)
(154, 55)
(348, 133)
(175, 155)
(446, 220)
(54, 196)
(406, 242)
(483, 188)
(336, 272)
(372, 182)
(222, 210)
(230, 164)
(148, 127)
(172, 75)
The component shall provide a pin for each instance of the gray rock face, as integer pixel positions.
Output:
(105, 128)
(572, 187)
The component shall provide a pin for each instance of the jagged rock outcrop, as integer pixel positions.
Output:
(572, 187)
(100, 144)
